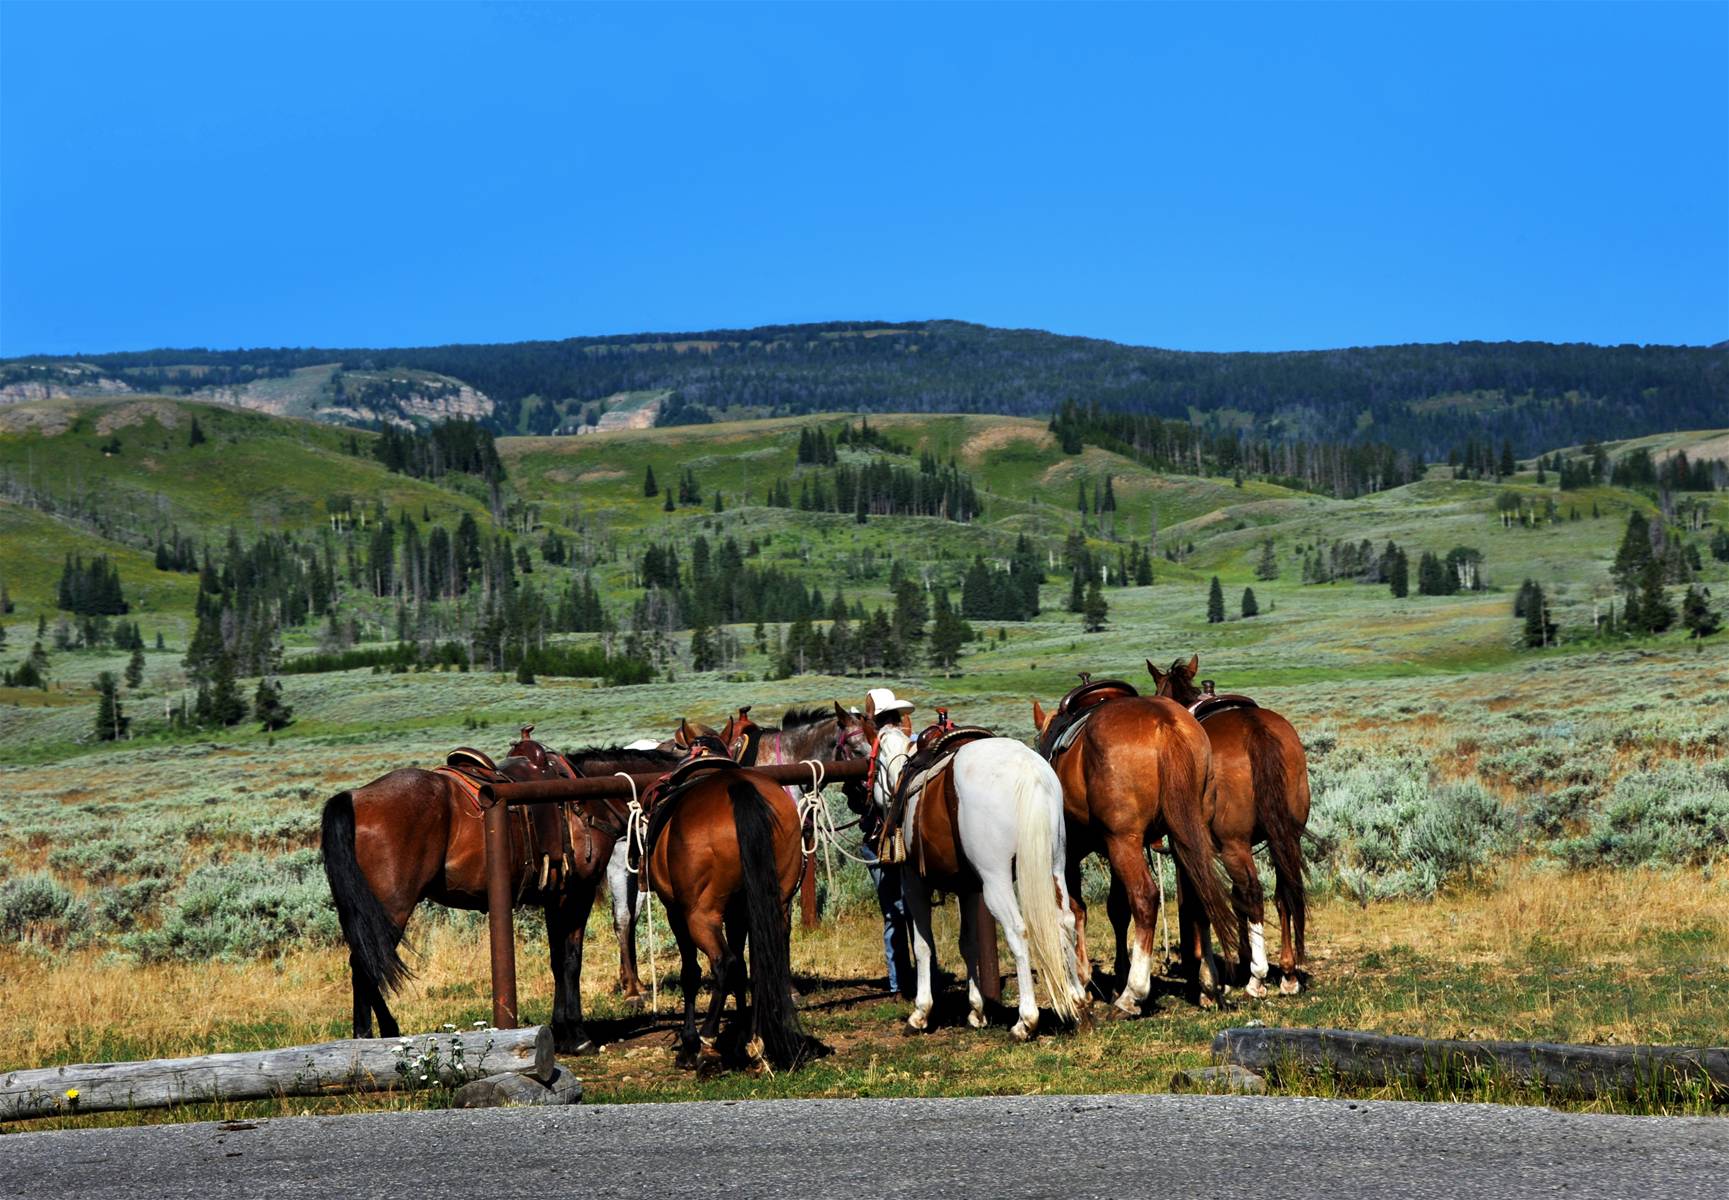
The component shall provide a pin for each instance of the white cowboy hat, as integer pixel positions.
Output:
(643, 744)
(882, 700)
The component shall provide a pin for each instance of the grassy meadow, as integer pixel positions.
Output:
(1504, 843)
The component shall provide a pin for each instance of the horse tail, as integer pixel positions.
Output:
(1038, 878)
(371, 935)
(1191, 838)
(784, 1039)
(1273, 811)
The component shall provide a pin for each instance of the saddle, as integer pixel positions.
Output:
(1065, 724)
(546, 828)
(661, 799)
(1211, 704)
(933, 751)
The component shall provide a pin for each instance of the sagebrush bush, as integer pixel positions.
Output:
(1665, 814)
(246, 906)
(39, 908)
(122, 908)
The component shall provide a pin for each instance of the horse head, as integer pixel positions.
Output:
(1179, 682)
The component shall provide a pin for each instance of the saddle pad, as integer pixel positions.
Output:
(911, 785)
(1067, 737)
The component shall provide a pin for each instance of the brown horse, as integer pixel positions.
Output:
(1139, 769)
(415, 835)
(1263, 796)
(724, 857)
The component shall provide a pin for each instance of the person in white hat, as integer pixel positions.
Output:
(884, 708)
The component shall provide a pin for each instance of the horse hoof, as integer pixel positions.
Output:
(685, 1060)
(1118, 1012)
(976, 1018)
(576, 1046)
(1256, 988)
(1022, 1032)
(709, 1065)
(753, 1050)
(912, 1030)
(1290, 985)
(633, 1003)
(1208, 1000)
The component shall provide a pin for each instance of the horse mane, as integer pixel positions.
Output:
(798, 718)
(622, 759)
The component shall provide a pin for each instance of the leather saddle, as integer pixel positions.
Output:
(1211, 704)
(933, 751)
(1074, 707)
(661, 799)
(546, 847)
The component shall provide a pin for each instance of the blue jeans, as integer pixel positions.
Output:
(887, 881)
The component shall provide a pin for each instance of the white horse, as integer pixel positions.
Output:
(1007, 810)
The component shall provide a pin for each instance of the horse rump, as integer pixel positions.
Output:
(371, 935)
(785, 1041)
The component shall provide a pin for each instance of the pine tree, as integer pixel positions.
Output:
(1250, 607)
(1508, 463)
(111, 722)
(1215, 603)
(1094, 609)
(196, 437)
(1536, 617)
(1078, 590)
(649, 486)
(525, 672)
(268, 709)
(718, 506)
(1399, 575)
(1634, 552)
(1656, 614)
(1700, 619)
(948, 633)
(1268, 567)
(135, 667)
(669, 506)
(225, 705)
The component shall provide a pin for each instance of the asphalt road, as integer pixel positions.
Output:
(1067, 1146)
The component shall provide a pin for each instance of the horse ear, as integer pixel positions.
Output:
(1038, 716)
(1194, 665)
(681, 737)
(1158, 676)
(841, 715)
(870, 707)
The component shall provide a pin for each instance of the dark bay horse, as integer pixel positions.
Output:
(1263, 796)
(415, 835)
(724, 856)
(1140, 769)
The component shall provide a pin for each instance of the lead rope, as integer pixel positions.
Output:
(635, 831)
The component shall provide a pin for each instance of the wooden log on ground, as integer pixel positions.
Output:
(1563, 1071)
(356, 1065)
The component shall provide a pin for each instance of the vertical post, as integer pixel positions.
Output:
(990, 974)
(808, 915)
(500, 923)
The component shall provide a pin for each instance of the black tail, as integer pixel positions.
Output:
(371, 935)
(1273, 813)
(1193, 847)
(784, 1039)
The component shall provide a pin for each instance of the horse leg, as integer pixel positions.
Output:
(1130, 871)
(1289, 984)
(1196, 942)
(690, 980)
(969, 905)
(566, 922)
(622, 887)
(918, 902)
(1078, 906)
(1117, 909)
(1251, 905)
(723, 960)
(999, 892)
(737, 934)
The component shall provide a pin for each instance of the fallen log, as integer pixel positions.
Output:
(357, 1065)
(1563, 1071)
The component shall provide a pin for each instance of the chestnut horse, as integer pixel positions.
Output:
(1263, 796)
(990, 822)
(1138, 770)
(415, 835)
(724, 857)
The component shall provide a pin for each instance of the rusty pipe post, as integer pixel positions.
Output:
(500, 921)
(990, 973)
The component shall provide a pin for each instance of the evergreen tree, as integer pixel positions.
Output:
(1399, 574)
(1215, 602)
(1268, 567)
(111, 722)
(1078, 589)
(224, 703)
(1656, 614)
(669, 506)
(1250, 607)
(525, 672)
(135, 667)
(703, 651)
(1634, 553)
(196, 437)
(649, 486)
(1508, 463)
(1697, 615)
(718, 506)
(268, 709)
(6, 604)
(948, 633)
(1536, 616)
(1094, 609)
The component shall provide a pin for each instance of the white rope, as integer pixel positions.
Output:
(635, 833)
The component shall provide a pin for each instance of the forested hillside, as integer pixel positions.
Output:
(1423, 400)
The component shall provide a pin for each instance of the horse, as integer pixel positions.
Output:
(415, 835)
(723, 854)
(989, 820)
(1263, 796)
(1139, 769)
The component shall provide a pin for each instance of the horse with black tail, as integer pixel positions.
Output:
(1263, 796)
(723, 853)
(415, 835)
(1135, 769)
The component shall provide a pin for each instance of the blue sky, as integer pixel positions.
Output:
(1219, 177)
